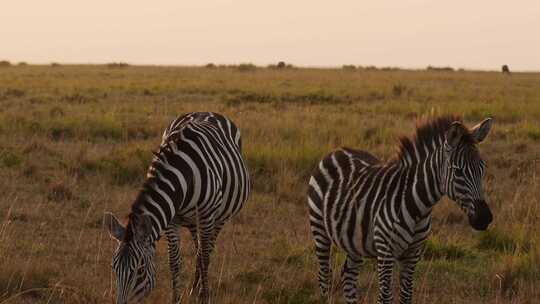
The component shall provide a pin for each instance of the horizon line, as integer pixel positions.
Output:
(302, 66)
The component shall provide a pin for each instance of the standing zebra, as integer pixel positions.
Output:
(198, 180)
(370, 208)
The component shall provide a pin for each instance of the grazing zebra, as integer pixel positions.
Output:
(198, 180)
(370, 208)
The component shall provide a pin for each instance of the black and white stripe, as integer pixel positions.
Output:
(198, 180)
(370, 208)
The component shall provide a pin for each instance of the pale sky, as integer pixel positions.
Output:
(406, 33)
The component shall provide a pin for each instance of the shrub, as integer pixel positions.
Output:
(9, 92)
(9, 158)
(348, 67)
(245, 67)
(398, 89)
(55, 65)
(390, 69)
(117, 65)
(22, 63)
(439, 69)
(210, 66)
(280, 65)
(56, 112)
(5, 63)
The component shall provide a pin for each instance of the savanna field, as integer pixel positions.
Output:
(75, 141)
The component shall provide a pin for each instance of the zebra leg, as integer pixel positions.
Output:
(323, 245)
(175, 262)
(384, 267)
(406, 272)
(349, 274)
(205, 249)
(197, 277)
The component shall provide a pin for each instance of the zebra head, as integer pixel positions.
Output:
(463, 170)
(132, 262)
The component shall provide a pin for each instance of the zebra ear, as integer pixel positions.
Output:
(116, 230)
(454, 134)
(142, 227)
(481, 130)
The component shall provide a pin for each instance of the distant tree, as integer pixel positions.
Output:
(116, 65)
(505, 69)
(349, 67)
(210, 65)
(281, 65)
(5, 63)
(55, 64)
(439, 69)
(22, 63)
(244, 67)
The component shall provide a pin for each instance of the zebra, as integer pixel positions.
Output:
(370, 208)
(197, 179)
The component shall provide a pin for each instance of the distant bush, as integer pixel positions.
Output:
(210, 66)
(56, 112)
(371, 68)
(117, 65)
(55, 64)
(9, 158)
(5, 63)
(280, 65)
(348, 67)
(439, 69)
(245, 67)
(77, 98)
(398, 89)
(10, 92)
(390, 69)
(22, 63)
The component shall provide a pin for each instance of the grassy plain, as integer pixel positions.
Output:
(75, 141)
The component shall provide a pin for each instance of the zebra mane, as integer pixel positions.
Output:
(430, 133)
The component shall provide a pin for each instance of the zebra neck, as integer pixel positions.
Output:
(422, 178)
(148, 204)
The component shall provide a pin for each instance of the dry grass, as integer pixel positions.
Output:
(75, 141)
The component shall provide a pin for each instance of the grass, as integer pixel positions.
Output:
(76, 140)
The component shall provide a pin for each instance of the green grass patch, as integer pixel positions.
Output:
(9, 158)
(499, 241)
(436, 249)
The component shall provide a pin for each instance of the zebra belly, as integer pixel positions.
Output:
(350, 236)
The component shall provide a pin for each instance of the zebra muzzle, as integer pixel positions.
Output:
(481, 217)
